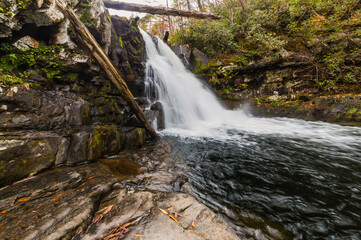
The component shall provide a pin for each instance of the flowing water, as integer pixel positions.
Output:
(262, 174)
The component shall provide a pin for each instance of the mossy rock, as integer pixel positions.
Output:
(105, 140)
(134, 138)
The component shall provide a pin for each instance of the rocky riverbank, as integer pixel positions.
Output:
(135, 194)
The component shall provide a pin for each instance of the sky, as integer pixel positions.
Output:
(146, 2)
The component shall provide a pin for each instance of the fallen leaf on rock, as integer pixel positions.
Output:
(174, 218)
(108, 209)
(57, 196)
(138, 235)
(23, 199)
(98, 219)
(163, 211)
(127, 224)
(193, 224)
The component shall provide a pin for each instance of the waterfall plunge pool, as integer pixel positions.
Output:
(271, 178)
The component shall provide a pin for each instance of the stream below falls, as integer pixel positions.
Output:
(310, 187)
(269, 177)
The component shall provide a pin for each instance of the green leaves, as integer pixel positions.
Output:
(15, 63)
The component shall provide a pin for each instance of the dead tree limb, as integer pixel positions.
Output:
(159, 10)
(267, 66)
(87, 39)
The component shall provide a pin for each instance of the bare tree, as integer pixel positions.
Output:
(199, 5)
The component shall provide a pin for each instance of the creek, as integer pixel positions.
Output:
(265, 175)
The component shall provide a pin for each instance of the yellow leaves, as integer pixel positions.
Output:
(163, 211)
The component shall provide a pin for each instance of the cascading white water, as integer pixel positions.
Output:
(191, 109)
(186, 101)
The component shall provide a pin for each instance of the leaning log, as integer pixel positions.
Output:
(87, 39)
(159, 10)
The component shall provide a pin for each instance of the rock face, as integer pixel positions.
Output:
(343, 109)
(128, 53)
(61, 109)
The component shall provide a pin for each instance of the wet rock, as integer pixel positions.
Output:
(73, 112)
(25, 155)
(159, 115)
(105, 140)
(128, 53)
(62, 155)
(78, 148)
(133, 138)
(184, 53)
(54, 204)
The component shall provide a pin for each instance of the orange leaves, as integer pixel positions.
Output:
(2, 212)
(23, 199)
(174, 218)
(127, 224)
(57, 196)
(100, 217)
(108, 209)
(193, 224)
(90, 178)
(170, 215)
(138, 235)
(118, 232)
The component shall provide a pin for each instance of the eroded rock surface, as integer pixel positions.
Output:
(54, 204)
(89, 201)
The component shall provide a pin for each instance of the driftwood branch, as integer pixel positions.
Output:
(159, 10)
(87, 39)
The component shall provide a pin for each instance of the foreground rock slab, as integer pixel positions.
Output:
(147, 213)
(53, 204)
(118, 198)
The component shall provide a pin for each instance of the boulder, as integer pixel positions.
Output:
(184, 53)
(78, 148)
(25, 43)
(23, 155)
(134, 138)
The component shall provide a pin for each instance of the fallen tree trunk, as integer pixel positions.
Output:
(159, 10)
(87, 39)
(258, 67)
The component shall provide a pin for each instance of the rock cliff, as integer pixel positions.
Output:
(56, 106)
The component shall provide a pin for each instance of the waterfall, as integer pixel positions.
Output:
(192, 110)
(186, 101)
